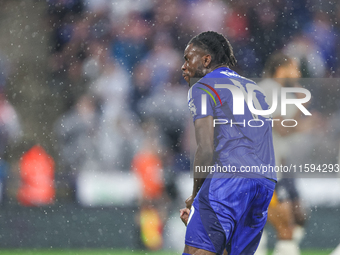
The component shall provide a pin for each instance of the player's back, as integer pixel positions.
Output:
(242, 139)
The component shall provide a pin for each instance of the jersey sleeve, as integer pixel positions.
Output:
(201, 102)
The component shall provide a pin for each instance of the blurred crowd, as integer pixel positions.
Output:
(116, 66)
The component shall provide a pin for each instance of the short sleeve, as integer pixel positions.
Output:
(201, 101)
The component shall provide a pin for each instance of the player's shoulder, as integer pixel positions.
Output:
(200, 87)
(222, 75)
(227, 73)
(222, 72)
(216, 76)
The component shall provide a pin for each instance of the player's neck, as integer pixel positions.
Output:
(219, 66)
(210, 69)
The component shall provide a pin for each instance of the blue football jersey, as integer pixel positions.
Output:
(242, 139)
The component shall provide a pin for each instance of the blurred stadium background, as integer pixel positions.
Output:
(92, 90)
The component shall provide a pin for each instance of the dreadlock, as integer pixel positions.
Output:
(218, 47)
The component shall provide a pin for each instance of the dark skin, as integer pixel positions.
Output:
(197, 64)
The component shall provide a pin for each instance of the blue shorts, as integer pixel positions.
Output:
(229, 213)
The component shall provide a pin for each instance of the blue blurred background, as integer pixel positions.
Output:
(97, 84)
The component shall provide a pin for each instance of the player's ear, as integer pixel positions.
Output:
(206, 59)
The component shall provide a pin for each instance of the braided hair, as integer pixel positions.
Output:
(218, 47)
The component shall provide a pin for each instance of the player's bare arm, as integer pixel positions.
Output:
(204, 132)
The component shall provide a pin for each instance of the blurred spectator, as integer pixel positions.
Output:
(90, 142)
(10, 134)
(265, 29)
(285, 212)
(110, 82)
(10, 127)
(60, 14)
(119, 130)
(207, 15)
(77, 133)
(169, 112)
(171, 17)
(131, 42)
(4, 168)
(66, 63)
(320, 31)
(141, 81)
(164, 61)
(37, 178)
(147, 165)
(310, 59)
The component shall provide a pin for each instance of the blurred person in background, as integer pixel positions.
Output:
(37, 178)
(119, 129)
(206, 15)
(147, 164)
(166, 105)
(141, 87)
(164, 60)
(285, 211)
(77, 137)
(69, 35)
(272, 24)
(110, 81)
(170, 17)
(131, 43)
(89, 140)
(60, 15)
(308, 56)
(320, 30)
(237, 23)
(10, 126)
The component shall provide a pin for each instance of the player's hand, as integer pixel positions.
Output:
(189, 201)
(184, 215)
